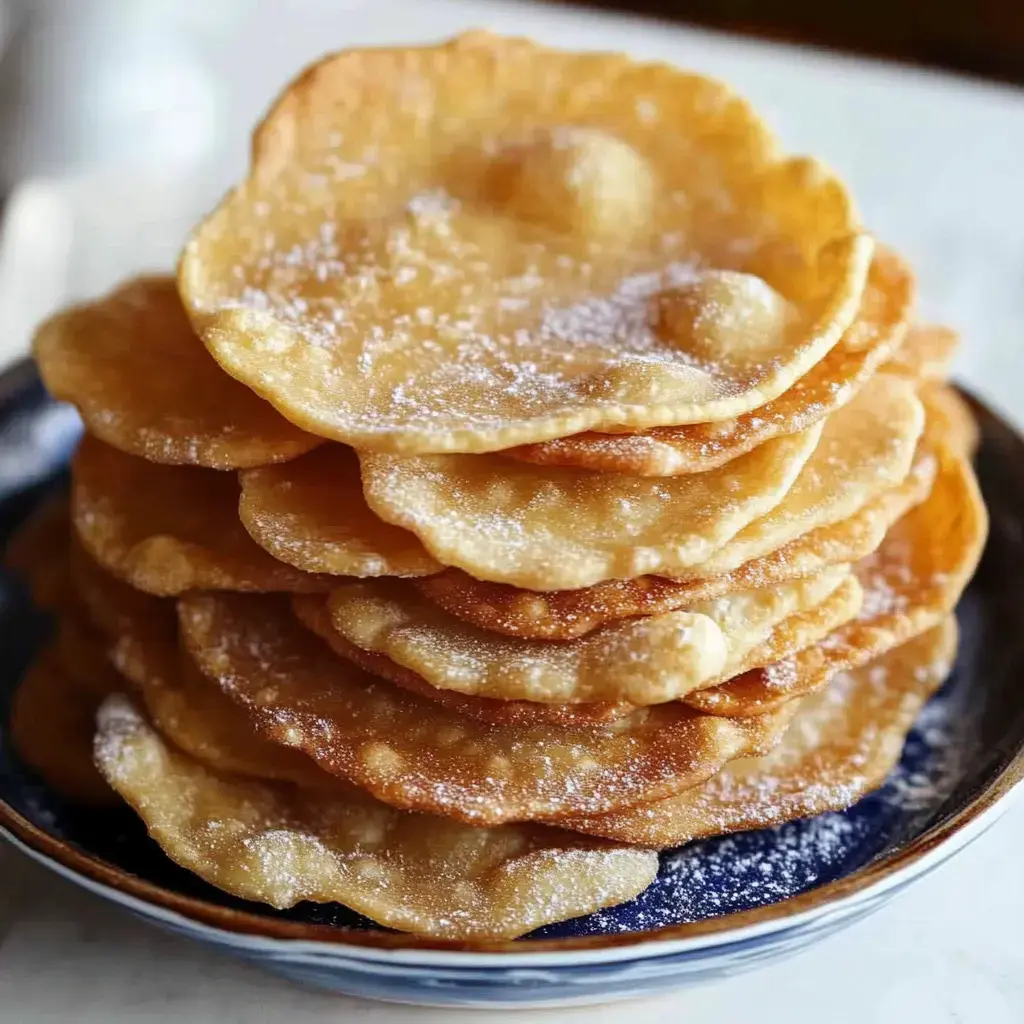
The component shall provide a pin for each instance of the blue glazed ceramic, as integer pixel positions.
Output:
(718, 906)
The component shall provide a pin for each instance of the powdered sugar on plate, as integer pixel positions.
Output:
(751, 869)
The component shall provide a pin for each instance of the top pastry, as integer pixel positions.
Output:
(488, 243)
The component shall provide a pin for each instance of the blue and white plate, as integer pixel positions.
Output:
(718, 906)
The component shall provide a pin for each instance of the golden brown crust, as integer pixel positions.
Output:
(873, 338)
(413, 753)
(495, 195)
(911, 583)
(841, 744)
(143, 382)
(169, 529)
(52, 725)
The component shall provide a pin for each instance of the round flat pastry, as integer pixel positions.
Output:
(311, 513)
(926, 353)
(910, 584)
(793, 633)
(867, 447)
(198, 719)
(415, 753)
(278, 844)
(486, 243)
(565, 614)
(554, 528)
(112, 606)
(640, 660)
(52, 723)
(697, 447)
(75, 663)
(841, 744)
(143, 382)
(951, 416)
(314, 612)
(168, 529)
(84, 656)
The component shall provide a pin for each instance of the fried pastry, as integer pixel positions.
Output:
(143, 382)
(841, 744)
(552, 528)
(910, 584)
(112, 606)
(642, 661)
(866, 448)
(416, 754)
(528, 467)
(926, 353)
(169, 529)
(314, 612)
(310, 513)
(697, 447)
(412, 872)
(564, 614)
(38, 553)
(485, 243)
(52, 724)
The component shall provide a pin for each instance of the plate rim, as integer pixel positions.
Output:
(228, 925)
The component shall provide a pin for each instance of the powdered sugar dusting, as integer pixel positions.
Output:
(116, 723)
(749, 869)
(938, 751)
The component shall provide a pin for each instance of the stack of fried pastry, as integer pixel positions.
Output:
(529, 468)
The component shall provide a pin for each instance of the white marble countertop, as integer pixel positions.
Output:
(935, 163)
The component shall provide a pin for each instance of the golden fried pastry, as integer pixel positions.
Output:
(486, 243)
(565, 614)
(841, 744)
(640, 660)
(528, 468)
(412, 872)
(311, 513)
(951, 418)
(910, 584)
(313, 611)
(38, 553)
(143, 382)
(194, 715)
(78, 649)
(168, 529)
(52, 724)
(552, 528)
(111, 605)
(84, 655)
(926, 353)
(414, 753)
(697, 447)
(866, 448)
(793, 633)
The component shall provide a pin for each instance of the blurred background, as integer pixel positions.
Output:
(88, 82)
(121, 122)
